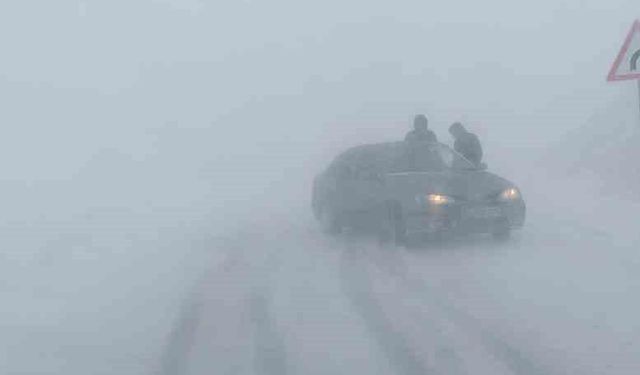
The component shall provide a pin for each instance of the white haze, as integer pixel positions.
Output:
(146, 140)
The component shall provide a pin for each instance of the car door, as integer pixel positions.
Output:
(335, 188)
(347, 186)
(368, 184)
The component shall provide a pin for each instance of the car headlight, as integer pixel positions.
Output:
(509, 195)
(439, 200)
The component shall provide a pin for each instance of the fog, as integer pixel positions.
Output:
(157, 163)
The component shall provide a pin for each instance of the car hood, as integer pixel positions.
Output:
(467, 185)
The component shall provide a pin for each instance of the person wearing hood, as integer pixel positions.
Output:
(421, 132)
(466, 143)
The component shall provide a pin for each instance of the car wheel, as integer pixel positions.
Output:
(329, 221)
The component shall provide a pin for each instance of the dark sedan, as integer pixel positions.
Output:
(402, 190)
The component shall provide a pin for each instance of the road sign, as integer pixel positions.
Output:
(627, 64)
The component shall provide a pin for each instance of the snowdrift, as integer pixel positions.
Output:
(604, 151)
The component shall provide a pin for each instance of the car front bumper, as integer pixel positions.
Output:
(467, 217)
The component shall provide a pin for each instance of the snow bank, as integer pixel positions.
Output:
(604, 151)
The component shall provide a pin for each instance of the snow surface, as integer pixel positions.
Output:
(558, 299)
(131, 286)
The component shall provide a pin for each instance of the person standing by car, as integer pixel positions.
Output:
(419, 153)
(466, 143)
(421, 132)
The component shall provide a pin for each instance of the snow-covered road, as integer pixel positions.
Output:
(117, 291)
(559, 298)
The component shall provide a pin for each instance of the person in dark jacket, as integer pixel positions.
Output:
(421, 132)
(466, 143)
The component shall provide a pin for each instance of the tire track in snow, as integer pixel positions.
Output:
(270, 348)
(396, 347)
(517, 360)
(270, 354)
(182, 335)
(425, 344)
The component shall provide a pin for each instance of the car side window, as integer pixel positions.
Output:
(365, 165)
(365, 171)
(360, 165)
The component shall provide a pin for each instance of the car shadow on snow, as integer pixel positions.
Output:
(463, 243)
(471, 243)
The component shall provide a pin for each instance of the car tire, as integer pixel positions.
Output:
(329, 221)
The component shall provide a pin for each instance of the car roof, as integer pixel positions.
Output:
(373, 148)
(371, 153)
(380, 149)
(383, 156)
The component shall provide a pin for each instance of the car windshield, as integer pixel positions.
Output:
(428, 157)
(452, 159)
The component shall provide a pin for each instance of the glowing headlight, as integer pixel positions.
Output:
(439, 200)
(510, 194)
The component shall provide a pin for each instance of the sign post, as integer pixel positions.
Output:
(638, 94)
(627, 64)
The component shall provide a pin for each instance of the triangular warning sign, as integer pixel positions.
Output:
(627, 64)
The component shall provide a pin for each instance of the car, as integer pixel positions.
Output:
(412, 190)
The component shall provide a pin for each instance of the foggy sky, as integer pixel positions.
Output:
(78, 76)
